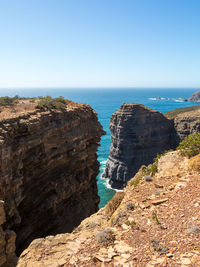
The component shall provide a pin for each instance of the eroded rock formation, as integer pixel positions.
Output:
(48, 170)
(195, 97)
(138, 134)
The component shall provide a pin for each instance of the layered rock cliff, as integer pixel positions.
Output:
(155, 223)
(48, 170)
(138, 134)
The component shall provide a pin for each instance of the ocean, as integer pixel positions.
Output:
(107, 101)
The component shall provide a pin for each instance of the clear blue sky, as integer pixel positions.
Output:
(101, 43)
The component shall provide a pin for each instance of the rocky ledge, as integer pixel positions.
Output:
(48, 169)
(153, 223)
(138, 134)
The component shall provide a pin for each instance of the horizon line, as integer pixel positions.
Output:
(100, 87)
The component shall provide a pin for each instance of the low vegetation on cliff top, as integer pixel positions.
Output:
(42, 103)
(8, 101)
(49, 103)
(173, 113)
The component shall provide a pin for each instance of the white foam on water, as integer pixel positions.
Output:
(106, 183)
(103, 162)
(178, 100)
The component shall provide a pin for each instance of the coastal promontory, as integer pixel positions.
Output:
(48, 170)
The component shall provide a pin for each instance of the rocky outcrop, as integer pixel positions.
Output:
(195, 97)
(156, 224)
(48, 170)
(138, 134)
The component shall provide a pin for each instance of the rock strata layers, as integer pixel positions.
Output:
(138, 134)
(48, 170)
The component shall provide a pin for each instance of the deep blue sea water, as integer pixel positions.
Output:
(105, 102)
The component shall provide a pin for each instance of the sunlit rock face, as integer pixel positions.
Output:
(138, 134)
(48, 170)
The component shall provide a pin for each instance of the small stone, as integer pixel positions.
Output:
(158, 186)
(148, 178)
(185, 261)
(157, 246)
(130, 206)
(160, 201)
(105, 236)
(193, 230)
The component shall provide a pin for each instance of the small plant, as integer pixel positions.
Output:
(128, 223)
(190, 146)
(155, 217)
(135, 181)
(105, 237)
(133, 223)
(114, 203)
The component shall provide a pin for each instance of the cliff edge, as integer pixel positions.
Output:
(48, 168)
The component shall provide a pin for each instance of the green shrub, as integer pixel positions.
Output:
(190, 146)
(49, 103)
(8, 101)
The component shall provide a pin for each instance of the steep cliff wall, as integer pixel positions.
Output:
(7, 242)
(48, 170)
(138, 134)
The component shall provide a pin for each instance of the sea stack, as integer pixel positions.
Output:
(48, 169)
(138, 134)
(195, 97)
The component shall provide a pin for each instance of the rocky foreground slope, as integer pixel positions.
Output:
(48, 171)
(138, 134)
(155, 222)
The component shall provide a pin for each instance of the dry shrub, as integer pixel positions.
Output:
(194, 163)
(114, 203)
